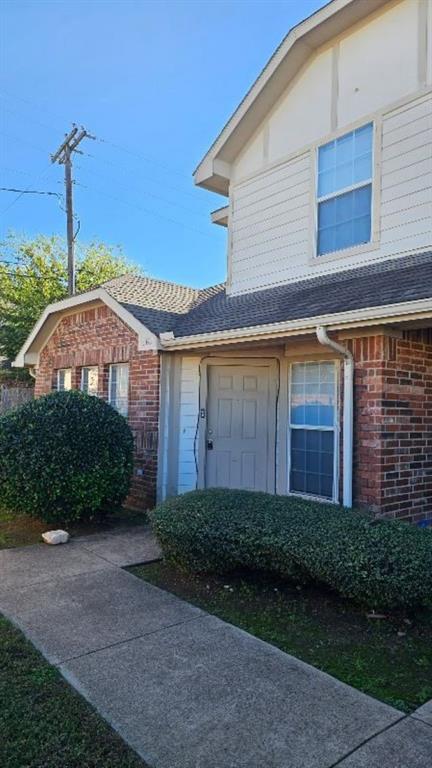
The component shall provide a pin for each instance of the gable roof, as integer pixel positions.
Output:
(165, 314)
(298, 45)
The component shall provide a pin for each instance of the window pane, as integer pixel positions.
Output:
(345, 161)
(313, 399)
(312, 462)
(119, 384)
(64, 379)
(351, 214)
(363, 139)
(89, 380)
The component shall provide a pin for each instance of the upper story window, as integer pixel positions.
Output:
(89, 380)
(344, 193)
(64, 379)
(118, 387)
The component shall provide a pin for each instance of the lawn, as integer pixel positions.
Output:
(390, 659)
(44, 723)
(21, 530)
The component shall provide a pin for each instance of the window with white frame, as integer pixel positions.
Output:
(344, 191)
(118, 387)
(64, 379)
(313, 419)
(89, 380)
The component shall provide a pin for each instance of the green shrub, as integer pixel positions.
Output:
(64, 457)
(379, 563)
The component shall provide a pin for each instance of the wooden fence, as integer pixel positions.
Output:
(10, 397)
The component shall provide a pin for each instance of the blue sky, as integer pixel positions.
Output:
(155, 82)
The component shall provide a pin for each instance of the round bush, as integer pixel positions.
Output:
(379, 563)
(64, 457)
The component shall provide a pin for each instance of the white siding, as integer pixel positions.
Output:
(189, 403)
(378, 62)
(273, 212)
(375, 64)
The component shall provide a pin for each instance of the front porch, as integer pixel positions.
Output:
(270, 416)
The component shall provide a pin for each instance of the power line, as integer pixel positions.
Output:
(141, 190)
(147, 159)
(23, 192)
(115, 145)
(144, 210)
(29, 191)
(30, 277)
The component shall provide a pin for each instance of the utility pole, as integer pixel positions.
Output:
(63, 156)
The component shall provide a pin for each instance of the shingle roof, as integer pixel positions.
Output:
(186, 311)
(155, 303)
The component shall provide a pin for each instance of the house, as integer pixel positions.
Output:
(310, 371)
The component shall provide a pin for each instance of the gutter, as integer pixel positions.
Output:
(348, 410)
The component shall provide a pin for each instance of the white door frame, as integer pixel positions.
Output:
(272, 364)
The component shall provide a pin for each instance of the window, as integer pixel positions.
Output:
(64, 379)
(89, 380)
(118, 387)
(344, 191)
(313, 429)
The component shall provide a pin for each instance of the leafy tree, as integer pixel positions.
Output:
(33, 273)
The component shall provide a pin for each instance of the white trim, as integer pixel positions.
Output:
(276, 73)
(412, 310)
(220, 216)
(146, 339)
(373, 181)
(372, 117)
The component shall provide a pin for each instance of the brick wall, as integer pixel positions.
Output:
(393, 424)
(98, 337)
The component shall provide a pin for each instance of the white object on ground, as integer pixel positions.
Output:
(55, 537)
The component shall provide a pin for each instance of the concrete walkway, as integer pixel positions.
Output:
(183, 688)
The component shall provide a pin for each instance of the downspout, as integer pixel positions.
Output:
(32, 371)
(348, 410)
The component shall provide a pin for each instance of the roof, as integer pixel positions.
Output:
(165, 315)
(164, 307)
(157, 304)
(299, 44)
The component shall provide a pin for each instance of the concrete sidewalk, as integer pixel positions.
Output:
(183, 688)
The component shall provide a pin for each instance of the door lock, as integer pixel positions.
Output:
(209, 445)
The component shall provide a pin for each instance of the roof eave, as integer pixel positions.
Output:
(28, 356)
(295, 49)
(392, 313)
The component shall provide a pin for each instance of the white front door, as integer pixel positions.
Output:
(240, 449)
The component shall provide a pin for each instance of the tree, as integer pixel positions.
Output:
(33, 274)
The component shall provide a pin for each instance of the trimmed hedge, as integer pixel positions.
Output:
(64, 457)
(379, 563)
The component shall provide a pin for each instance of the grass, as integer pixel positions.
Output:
(21, 530)
(389, 659)
(44, 723)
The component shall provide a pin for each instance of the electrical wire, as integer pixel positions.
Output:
(141, 208)
(29, 191)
